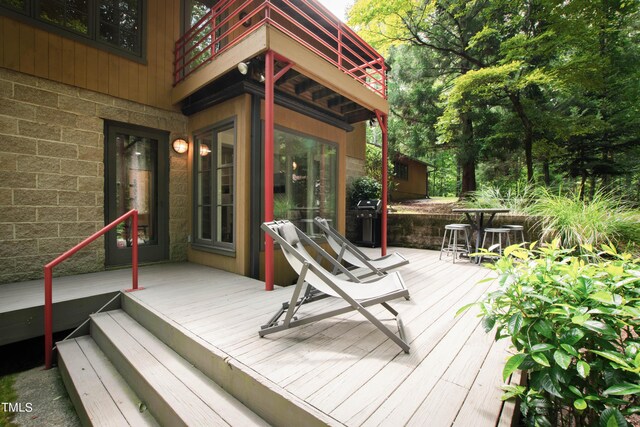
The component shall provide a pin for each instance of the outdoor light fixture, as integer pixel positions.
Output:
(204, 150)
(180, 146)
(261, 77)
(243, 67)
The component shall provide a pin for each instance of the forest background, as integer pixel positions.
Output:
(503, 93)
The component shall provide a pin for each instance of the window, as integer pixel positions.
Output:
(113, 23)
(401, 170)
(214, 169)
(305, 178)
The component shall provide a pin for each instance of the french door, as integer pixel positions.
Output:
(136, 177)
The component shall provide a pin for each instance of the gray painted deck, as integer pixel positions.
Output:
(344, 366)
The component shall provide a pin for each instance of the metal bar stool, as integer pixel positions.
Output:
(454, 245)
(501, 233)
(515, 229)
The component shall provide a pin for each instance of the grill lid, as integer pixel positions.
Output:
(369, 205)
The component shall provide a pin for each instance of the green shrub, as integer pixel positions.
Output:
(603, 220)
(364, 188)
(516, 200)
(573, 323)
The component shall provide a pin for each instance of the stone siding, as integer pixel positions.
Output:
(52, 173)
(355, 169)
(425, 231)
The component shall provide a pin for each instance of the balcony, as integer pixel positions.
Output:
(305, 23)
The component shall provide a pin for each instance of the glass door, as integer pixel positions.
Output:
(136, 178)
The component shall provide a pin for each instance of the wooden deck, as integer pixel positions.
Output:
(344, 367)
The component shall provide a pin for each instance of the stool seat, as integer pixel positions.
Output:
(497, 230)
(516, 229)
(454, 246)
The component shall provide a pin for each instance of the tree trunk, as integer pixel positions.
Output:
(547, 173)
(467, 157)
(527, 127)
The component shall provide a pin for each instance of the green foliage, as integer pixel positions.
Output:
(7, 394)
(364, 188)
(282, 206)
(572, 321)
(373, 163)
(574, 221)
(516, 200)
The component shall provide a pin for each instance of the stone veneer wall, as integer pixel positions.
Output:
(425, 231)
(52, 173)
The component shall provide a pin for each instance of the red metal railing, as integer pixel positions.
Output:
(48, 277)
(305, 21)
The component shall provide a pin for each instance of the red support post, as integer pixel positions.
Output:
(268, 165)
(382, 121)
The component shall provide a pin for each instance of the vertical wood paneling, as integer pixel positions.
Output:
(68, 62)
(113, 76)
(55, 57)
(27, 49)
(161, 29)
(134, 88)
(11, 45)
(152, 54)
(80, 65)
(42, 53)
(122, 73)
(92, 68)
(2, 20)
(103, 71)
(45, 54)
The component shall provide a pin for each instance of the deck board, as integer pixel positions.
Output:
(344, 366)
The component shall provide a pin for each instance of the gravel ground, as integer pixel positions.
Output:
(49, 400)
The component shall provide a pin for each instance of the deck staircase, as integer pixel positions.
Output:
(123, 374)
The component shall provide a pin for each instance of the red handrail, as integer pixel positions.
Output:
(313, 26)
(48, 277)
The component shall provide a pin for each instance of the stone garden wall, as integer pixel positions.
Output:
(425, 231)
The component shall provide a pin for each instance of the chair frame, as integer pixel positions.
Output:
(290, 308)
(344, 245)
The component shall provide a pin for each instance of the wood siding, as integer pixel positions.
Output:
(413, 188)
(31, 50)
(239, 108)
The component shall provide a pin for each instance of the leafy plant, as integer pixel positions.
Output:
(573, 323)
(516, 200)
(7, 394)
(281, 206)
(364, 188)
(603, 219)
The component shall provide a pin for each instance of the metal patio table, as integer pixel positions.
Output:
(476, 217)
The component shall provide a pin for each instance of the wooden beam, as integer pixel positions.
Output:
(289, 75)
(321, 94)
(306, 85)
(337, 101)
(348, 108)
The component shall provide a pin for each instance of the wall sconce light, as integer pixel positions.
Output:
(204, 150)
(180, 146)
(243, 67)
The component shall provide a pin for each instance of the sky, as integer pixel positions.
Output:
(337, 7)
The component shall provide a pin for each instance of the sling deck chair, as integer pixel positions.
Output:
(357, 295)
(350, 253)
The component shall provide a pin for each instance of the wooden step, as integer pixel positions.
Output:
(175, 392)
(262, 396)
(99, 393)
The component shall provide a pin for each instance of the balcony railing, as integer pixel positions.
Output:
(305, 21)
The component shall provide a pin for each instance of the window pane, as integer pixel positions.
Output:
(305, 179)
(119, 24)
(136, 174)
(70, 14)
(225, 185)
(204, 225)
(19, 5)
